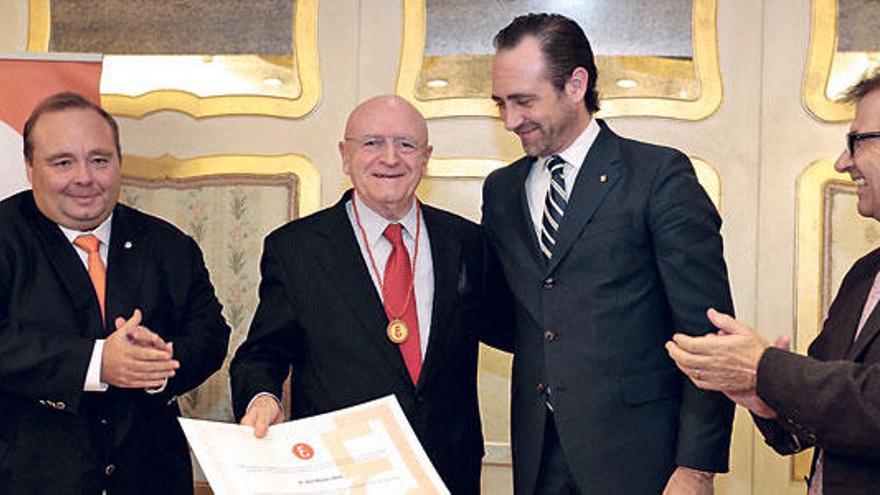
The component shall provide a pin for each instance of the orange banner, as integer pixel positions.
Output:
(23, 84)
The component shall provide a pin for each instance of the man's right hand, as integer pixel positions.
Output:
(135, 357)
(750, 400)
(263, 412)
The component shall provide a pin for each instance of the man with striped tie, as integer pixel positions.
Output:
(610, 246)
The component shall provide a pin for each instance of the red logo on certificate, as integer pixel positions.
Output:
(303, 451)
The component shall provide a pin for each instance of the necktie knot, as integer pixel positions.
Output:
(88, 242)
(555, 164)
(394, 233)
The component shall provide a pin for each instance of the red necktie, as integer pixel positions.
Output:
(398, 281)
(97, 274)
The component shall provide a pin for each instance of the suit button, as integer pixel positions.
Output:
(549, 336)
(109, 469)
(104, 422)
(541, 388)
(549, 283)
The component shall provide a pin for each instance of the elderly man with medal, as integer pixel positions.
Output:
(378, 294)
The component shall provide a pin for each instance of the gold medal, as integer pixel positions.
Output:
(397, 331)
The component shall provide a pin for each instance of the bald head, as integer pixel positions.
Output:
(385, 151)
(387, 106)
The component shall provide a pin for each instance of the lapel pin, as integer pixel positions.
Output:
(603, 178)
(127, 245)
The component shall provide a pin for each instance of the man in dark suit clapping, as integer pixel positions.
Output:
(829, 399)
(106, 316)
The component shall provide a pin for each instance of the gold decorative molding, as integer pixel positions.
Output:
(704, 29)
(39, 21)
(823, 45)
(202, 488)
(810, 254)
(829, 72)
(811, 259)
(476, 103)
(307, 84)
(167, 167)
(709, 178)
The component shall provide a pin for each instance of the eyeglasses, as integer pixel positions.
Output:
(374, 144)
(853, 138)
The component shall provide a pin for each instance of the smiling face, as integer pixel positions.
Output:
(547, 120)
(864, 165)
(74, 170)
(385, 152)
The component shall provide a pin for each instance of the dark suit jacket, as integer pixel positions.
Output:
(638, 257)
(831, 399)
(55, 438)
(321, 317)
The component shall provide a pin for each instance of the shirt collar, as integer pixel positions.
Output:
(576, 153)
(374, 224)
(102, 232)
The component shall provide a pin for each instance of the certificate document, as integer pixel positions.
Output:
(365, 449)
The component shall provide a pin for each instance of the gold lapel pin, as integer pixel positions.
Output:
(603, 178)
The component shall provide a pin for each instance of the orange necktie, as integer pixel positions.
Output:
(91, 244)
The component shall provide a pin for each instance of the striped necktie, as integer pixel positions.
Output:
(554, 206)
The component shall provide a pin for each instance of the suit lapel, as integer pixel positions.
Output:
(597, 176)
(70, 271)
(446, 259)
(866, 336)
(837, 340)
(526, 228)
(125, 260)
(344, 264)
(872, 325)
(516, 202)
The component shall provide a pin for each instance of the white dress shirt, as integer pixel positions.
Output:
(538, 181)
(374, 225)
(102, 232)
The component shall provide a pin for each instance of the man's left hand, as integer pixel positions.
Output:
(687, 481)
(727, 362)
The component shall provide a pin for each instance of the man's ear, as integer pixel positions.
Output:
(576, 86)
(343, 157)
